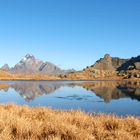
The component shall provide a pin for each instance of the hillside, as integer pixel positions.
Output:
(106, 68)
(109, 68)
(5, 75)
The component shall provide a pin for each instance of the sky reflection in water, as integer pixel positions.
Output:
(121, 98)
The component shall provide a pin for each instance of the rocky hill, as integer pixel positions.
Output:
(109, 63)
(109, 68)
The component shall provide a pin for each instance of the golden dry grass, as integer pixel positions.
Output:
(4, 75)
(25, 123)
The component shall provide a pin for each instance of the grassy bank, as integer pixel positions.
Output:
(25, 123)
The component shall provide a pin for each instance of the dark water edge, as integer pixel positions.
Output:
(109, 97)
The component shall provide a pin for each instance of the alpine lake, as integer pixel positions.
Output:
(110, 97)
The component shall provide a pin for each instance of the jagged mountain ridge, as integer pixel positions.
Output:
(29, 64)
(106, 67)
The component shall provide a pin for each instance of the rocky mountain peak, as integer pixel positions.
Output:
(30, 64)
(104, 63)
(28, 56)
(107, 56)
(5, 67)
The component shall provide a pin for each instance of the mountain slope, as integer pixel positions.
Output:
(29, 64)
(108, 67)
(133, 63)
(109, 63)
(104, 68)
(5, 67)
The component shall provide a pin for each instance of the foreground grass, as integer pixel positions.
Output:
(25, 123)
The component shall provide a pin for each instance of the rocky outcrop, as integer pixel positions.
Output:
(110, 68)
(109, 63)
(117, 62)
(131, 68)
(104, 68)
(104, 63)
(137, 65)
(130, 74)
(130, 64)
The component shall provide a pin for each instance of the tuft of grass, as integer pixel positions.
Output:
(26, 123)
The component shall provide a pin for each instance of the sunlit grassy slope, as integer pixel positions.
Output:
(25, 123)
(9, 76)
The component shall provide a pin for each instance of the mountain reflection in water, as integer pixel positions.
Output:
(110, 90)
(106, 90)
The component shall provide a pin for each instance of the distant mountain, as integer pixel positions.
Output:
(29, 64)
(105, 68)
(5, 67)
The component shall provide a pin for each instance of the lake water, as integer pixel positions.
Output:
(121, 98)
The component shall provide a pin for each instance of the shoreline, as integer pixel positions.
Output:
(70, 80)
(5, 76)
(23, 122)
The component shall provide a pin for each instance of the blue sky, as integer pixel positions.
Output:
(69, 33)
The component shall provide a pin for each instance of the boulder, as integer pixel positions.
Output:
(137, 65)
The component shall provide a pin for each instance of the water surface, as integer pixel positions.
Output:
(121, 98)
